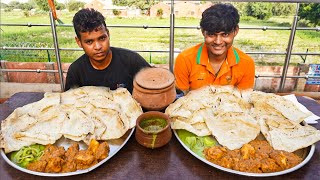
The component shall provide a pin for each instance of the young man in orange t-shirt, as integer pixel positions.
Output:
(215, 61)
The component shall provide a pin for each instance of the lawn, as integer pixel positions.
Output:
(140, 39)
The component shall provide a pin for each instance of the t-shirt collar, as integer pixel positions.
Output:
(202, 55)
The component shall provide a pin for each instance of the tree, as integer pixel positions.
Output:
(259, 10)
(160, 12)
(14, 5)
(143, 5)
(75, 5)
(283, 9)
(310, 12)
(42, 4)
(116, 12)
(26, 6)
(59, 6)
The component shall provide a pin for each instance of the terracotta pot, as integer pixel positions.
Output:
(154, 88)
(153, 139)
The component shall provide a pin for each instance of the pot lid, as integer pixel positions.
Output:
(154, 78)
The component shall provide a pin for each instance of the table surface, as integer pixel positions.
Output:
(171, 161)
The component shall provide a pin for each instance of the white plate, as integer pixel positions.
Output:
(115, 146)
(308, 151)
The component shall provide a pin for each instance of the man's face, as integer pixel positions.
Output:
(219, 43)
(96, 44)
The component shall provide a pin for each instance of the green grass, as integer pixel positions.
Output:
(152, 38)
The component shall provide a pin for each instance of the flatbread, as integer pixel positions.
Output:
(79, 114)
(283, 134)
(284, 106)
(117, 124)
(12, 125)
(233, 129)
(199, 129)
(77, 125)
(237, 117)
(47, 128)
(129, 106)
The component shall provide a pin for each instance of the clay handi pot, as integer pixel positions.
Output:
(154, 88)
(153, 129)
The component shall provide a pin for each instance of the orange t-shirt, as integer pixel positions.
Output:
(192, 69)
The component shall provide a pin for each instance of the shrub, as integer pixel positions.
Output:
(259, 10)
(283, 9)
(75, 5)
(160, 12)
(116, 12)
(26, 13)
(310, 12)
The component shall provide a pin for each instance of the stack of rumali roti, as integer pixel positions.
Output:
(79, 114)
(235, 118)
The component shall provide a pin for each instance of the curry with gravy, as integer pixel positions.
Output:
(256, 156)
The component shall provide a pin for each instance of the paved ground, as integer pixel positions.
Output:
(8, 89)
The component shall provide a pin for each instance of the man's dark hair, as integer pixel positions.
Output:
(220, 18)
(87, 20)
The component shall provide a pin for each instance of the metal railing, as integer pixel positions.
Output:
(171, 50)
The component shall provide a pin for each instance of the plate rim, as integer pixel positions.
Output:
(305, 161)
(4, 156)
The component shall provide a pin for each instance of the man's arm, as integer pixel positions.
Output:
(182, 74)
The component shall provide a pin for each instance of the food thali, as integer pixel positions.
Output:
(249, 133)
(68, 133)
(305, 153)
(115, 146)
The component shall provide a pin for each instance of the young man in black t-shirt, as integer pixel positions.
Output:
(101, 65)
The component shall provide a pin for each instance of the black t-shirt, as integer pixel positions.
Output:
(120, 72)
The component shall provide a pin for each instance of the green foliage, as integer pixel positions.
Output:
(27, 6)
(310, 12)
(143, 5)
(160, 12)
(14, 4)
(75, 5)
(17, 5)
(42, 5)
(116, 12)
(26, 13)
(3, 5)
(60, 6)
(259, 10)
(241, 7)
(283, 9)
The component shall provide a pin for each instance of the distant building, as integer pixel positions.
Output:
(107, 8)
(181, 8)
(97, 5)
(165, 10)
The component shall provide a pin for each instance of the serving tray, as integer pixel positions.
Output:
(115, 146)
(305, 154)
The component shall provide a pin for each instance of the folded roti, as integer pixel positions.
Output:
(233, 129)
(129, 106)
(12, 125)
(46, 130)
(199, 129)
(286, 107)
(77, 125)
(116, 123)
(288, 136)
(78, 114)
